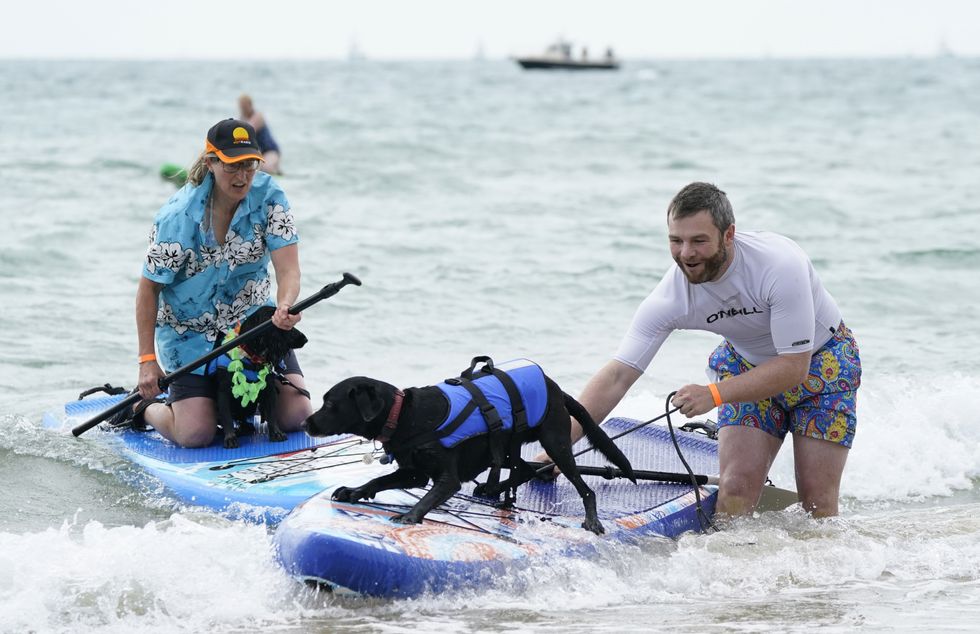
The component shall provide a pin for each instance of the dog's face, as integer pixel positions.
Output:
(273, 345)
(354, 406)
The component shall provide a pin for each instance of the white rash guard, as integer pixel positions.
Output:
(769, 301)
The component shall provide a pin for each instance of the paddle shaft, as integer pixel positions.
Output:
(612, 472)
(771, 498)
(327, 291)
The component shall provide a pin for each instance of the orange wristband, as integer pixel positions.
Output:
(715, 394)
(147, 357)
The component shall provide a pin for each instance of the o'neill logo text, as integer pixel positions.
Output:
(732, 312)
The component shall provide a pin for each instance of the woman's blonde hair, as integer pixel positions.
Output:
(199, 170)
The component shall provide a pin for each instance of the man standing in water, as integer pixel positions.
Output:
(268, 145)
(787, 364)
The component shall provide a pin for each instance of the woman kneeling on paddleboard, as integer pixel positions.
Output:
(206, 270)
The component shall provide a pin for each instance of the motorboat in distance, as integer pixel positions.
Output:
(559, 56)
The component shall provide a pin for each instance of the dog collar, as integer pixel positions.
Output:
(392, 421)
(254, 358)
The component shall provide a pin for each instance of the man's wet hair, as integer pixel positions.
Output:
(698, 197)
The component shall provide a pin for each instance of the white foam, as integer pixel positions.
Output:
(755, 566)
(916, 438)
(179, 574)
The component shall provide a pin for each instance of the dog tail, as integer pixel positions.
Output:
(598, 437)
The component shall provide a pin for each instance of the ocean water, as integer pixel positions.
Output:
(493, 211)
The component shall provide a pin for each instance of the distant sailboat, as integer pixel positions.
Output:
(354, 52)
(943, 50)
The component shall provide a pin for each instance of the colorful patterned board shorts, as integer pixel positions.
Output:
(824, 406)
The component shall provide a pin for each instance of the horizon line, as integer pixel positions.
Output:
(362, 58)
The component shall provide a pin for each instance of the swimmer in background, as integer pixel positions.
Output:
(270, 150)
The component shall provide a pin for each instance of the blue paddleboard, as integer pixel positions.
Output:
(273, 476)
(464, 543)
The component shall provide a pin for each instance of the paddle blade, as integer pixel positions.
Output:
(129, 401)
(771, 499)
(776, 499)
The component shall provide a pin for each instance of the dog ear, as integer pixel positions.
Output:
(369, 403)
(295, 339)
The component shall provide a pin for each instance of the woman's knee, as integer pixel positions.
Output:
(194, 422)
(293, 411)
(194, 437)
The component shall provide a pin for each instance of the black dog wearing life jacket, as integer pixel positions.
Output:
(246, 377)
(452, 432)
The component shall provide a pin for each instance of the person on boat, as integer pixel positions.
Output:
(271, 153)
(787, 364)
(205, 271)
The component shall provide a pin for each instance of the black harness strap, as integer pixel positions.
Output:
(517, 410)
(470, 371)
(108, 389)
(407, 444)
(495, 425)
(453, 425)
(500, 454)
(518, 427)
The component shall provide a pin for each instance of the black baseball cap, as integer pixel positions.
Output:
(233, 140)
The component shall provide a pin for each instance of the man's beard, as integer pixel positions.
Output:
(709, 269)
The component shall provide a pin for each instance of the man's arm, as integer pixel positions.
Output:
(604, 391)
(769, 378)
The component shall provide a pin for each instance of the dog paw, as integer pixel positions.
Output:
(594, 525)
(276, 436)
(347, 494)
(405, 518)
(231, 442)
(342, 494)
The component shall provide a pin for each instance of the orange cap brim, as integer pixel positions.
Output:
(208, 147)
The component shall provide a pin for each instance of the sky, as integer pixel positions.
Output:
(460, 29)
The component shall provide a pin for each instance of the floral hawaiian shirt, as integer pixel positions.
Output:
(209, 287)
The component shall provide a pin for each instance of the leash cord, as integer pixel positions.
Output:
(551, 465)
(703, 518)
(288, 465)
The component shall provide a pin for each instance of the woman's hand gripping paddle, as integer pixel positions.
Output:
(327, 291)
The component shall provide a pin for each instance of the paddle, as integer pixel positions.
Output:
(772, 499)
(327, 291)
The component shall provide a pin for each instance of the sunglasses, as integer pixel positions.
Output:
(248, 165)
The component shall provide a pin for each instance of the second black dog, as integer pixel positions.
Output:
(407, 423)
(243, 390)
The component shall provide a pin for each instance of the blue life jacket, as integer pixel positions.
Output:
(527, 377)
(250, 370)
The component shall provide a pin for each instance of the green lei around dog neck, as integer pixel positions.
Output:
(241, 387)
